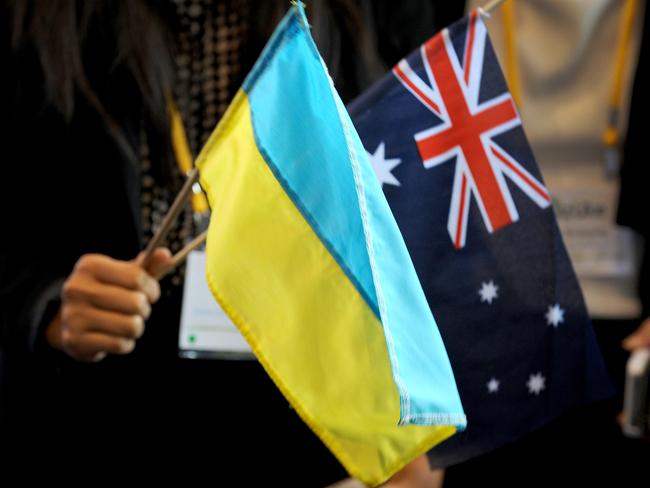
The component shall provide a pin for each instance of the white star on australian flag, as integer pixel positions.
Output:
(493, 385)
(536, 383)
(488, 292)
(383, 166)
(554, 315)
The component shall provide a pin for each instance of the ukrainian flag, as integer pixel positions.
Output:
(304, 255)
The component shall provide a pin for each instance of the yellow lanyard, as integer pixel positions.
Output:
(512, 62)
(611, 136)
(183, 156)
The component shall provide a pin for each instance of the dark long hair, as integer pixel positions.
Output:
(135, 35)
(343, 31)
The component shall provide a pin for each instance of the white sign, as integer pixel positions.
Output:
(206, 330)
(597, 246)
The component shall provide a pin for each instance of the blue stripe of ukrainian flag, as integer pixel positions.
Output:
(306, 258)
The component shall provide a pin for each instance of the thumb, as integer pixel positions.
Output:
(160, 259)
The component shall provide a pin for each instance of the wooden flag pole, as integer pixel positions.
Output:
(181, 255)
(170, 217)
(492, 5)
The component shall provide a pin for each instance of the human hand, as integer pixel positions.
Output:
(104, 305)
(639, 338)
(416, 474)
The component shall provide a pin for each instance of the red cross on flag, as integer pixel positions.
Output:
(467, 130)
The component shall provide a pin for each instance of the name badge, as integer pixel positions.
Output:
(597, 246)
(206, 331)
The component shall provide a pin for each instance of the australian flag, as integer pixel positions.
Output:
(446, 142)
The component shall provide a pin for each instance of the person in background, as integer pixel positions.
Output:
(92, 383)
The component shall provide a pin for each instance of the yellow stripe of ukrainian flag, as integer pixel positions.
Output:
(280, 285)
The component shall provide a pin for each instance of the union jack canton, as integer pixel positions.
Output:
(466, 129)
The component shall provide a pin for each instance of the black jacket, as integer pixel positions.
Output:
(68, 189)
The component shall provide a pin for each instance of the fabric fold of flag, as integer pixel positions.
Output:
(304, 255)
(446, 141)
